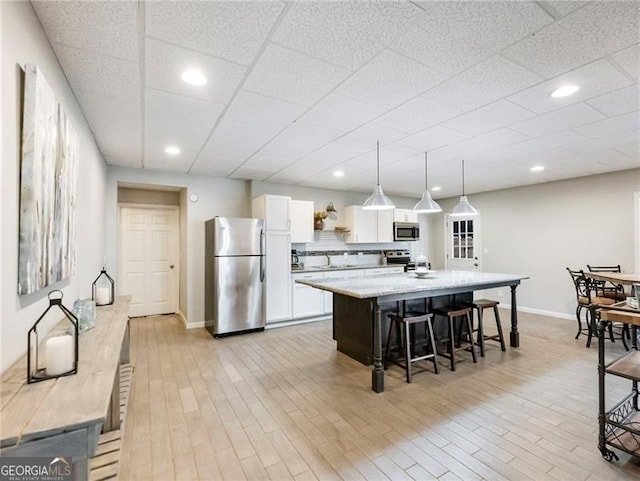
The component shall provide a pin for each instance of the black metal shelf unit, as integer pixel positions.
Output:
(619, 427)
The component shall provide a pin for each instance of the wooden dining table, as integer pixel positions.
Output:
(625, 278)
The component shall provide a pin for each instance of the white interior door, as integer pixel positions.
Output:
(463, 243)
(149, 259)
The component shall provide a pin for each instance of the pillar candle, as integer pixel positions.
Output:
(60, 355)
(103, 295)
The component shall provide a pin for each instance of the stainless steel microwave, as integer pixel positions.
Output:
(406, 231)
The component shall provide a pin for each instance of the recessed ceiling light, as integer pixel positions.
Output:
(172, 150)
(565, 91)
(338, 173)
(436, 189)
(194, 77)
(537, 168)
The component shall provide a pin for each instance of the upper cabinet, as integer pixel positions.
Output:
(405, 215)
(301, 212)
(275, 210)
(368, 226)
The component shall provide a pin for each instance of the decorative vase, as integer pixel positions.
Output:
(318, 224)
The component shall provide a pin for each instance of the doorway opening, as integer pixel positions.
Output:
(149, 249)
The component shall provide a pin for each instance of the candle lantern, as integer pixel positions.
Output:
(60, 350)
(102, 289)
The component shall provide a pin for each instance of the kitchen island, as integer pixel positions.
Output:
(358, 305)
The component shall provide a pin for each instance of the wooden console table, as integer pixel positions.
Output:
(63, 417)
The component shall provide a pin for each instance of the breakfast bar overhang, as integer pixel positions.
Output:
(350, 295)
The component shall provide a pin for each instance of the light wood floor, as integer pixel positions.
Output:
(284, 404)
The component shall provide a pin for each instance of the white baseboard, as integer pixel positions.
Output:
(542, 312)
(186, 323)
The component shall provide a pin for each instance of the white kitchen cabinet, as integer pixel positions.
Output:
(405, 215)
(274, 209)
(384, 225)
(328, 296)
(368, 226)
(278, 275)
(307, 301)
(301, 212)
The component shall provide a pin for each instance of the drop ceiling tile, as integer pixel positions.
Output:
(266, 164)
(232, 143)
(415, 115)
(629, 60)
(546, 143)
(116, 160)
(99, 74)
(372, 133)
(594, 79)
(261, 111)
(610, 126)
(558, 120)
(164, 63)
(106, 28)
(618, 102)
(453, 36)
(492, 140)
(564, 7)
(388, 80)
(490, 117)
(613, 141)
(200, 169)
(116, 125)
(433, 138)
(299, 140)
(247, 173)
(233, 31)
(344, 33)
(342, 113)
(394, 152)
(195, 114)
(487, 82)
(160, 132)
(631, 149)
(597, 29)
(293, 76)
(339, 151)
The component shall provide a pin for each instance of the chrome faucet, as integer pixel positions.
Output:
(328, 259)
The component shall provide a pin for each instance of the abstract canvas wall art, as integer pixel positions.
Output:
(47, 188)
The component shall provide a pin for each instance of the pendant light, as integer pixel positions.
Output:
(378, 201)
(463, 207)
(426, 205)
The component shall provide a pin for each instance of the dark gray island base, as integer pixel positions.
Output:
(360, 323)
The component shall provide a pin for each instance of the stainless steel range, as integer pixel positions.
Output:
(400, 257)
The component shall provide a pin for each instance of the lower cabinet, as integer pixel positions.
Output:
(307, 301)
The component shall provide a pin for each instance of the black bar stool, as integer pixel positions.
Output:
(480, 305)
(451, 313)
(406, 321)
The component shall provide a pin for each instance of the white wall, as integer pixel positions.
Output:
(216, 196)
(23, 41)
(539, 230)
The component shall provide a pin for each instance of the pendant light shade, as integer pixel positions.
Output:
(426, 205)
(378, 201)
(463, 208)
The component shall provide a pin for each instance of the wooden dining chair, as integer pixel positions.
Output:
(587, 299)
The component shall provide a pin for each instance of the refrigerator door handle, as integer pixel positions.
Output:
(262, 255)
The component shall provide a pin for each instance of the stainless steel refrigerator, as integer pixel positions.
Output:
(234, 275)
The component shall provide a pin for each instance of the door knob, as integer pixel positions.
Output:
(170, 266)
(475, 264)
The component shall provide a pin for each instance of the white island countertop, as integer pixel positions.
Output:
(433, 284)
